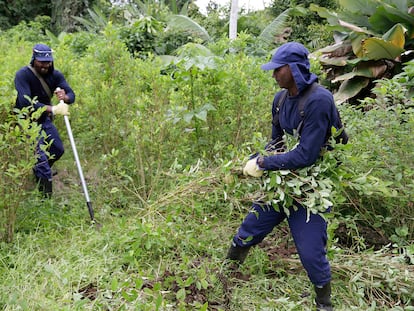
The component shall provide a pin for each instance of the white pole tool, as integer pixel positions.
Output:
(75, 154)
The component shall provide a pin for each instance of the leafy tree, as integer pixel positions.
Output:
(177, 6)
(14, 12)
(254, 22)
(305, 28)
(216, 22)
(60, 12)
(63, 11)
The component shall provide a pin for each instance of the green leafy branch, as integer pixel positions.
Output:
(313, 187)
(319, 186)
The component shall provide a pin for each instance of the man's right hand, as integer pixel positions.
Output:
(61, 108)
(251, 168)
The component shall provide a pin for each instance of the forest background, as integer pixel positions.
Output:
(168, 109)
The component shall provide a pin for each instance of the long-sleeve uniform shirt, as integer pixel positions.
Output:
(27, 83)
(320, 115)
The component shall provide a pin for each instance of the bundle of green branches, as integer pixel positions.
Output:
(319, 186)
(313, 187)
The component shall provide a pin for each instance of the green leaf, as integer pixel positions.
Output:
(181, 294)
(188, 117)
(275, 27)
(281, 195)
(361, 7)
(204, 284)
(369, 69)
(350, 88)
(278, 179)
(396, 35)
(376, 48)
(114, 285)
(386, 16)
(361, 73)
(186, 24)
(188, 281)
(326, 203)
(331, 17)
(201, 115)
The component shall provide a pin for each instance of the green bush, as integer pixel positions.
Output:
(381, 139)
(18, 137)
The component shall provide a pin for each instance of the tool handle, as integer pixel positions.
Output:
(75, 154)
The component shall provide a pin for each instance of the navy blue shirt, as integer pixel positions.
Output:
(320, 115)
(27, 83)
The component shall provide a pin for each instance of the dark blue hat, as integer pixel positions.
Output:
(288, 53)
(42, 53)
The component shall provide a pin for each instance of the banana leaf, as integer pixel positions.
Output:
(387, 16)
(350, 88)
(376, 48)
(360, 7)
(396, 35)
(276, 26)
(184, 23)
(365, 69)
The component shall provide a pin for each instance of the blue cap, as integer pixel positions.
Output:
(42, 53)
(288, 53)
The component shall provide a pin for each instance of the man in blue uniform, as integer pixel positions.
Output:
(291, 70)
(39, 81)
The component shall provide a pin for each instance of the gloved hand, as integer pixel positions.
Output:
(61, 108)
(252, 169)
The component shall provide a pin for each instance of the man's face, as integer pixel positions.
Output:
(283, 77)
(42, 67)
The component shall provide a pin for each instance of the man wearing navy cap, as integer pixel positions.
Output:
(291, 70)
(39, 81)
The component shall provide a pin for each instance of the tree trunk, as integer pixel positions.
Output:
(233, 19)
(62, 12)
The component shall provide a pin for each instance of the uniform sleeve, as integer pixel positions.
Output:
(315, 128)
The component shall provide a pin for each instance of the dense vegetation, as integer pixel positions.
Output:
(162, 144)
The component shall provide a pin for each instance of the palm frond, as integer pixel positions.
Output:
(97, 20)
(275, 27)
(184, 23)
(278, 25)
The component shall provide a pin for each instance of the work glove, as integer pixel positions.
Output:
(61, 108)
(252, 169)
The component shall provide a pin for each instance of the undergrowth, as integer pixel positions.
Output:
(168, 255)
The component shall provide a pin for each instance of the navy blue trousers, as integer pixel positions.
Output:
(43, 167)
(310, 237)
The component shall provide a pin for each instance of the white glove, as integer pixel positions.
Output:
(251, 168)
(61, 108)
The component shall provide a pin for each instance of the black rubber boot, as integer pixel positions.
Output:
(45, 186)
(237, 253)
(323, 298)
